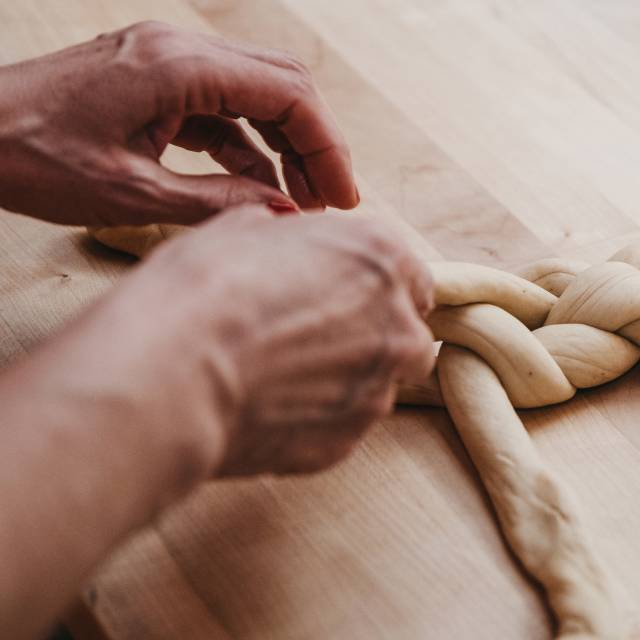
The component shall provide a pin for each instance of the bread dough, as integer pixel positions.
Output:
(526, 340)
(511, 342)
(136, 241)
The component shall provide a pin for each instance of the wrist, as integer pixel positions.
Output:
(196, 361)
(124, 440)
(151, 381)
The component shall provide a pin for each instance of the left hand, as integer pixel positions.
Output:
(82, 130)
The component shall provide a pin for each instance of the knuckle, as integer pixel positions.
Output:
(372, 246)
(427, 290)
(379, 239)
(146, 41)
(418, 334)
(407, 341)
(415, 337)
(302, 79)
(148, 29)
(413, 353)
(419, 352)
(291, 61)
(298, 66)
(104, 35)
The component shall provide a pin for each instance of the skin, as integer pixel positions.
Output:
(256, 344)
(92, 144)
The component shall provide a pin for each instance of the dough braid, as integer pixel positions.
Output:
(521, 341)
(531, 341)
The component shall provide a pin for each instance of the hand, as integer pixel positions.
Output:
(82, 130)
(252, 344)
(318, 327)
(285, 334)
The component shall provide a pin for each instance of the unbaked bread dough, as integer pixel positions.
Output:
(136, 241)
(526, 340)
(516, 342)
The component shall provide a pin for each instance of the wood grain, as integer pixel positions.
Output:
(501, 132)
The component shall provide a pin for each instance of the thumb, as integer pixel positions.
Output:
(154, 194)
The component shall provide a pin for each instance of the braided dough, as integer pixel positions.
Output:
(531, 341)
(526, 340)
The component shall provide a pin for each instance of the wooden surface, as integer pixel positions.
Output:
(502, 131)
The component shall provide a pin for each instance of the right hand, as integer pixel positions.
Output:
(271, 343)
(253, 344)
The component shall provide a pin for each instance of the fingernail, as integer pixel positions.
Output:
(283, 206)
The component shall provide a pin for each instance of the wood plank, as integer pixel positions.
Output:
(511, 119)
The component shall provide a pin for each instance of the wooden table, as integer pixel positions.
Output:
(501, 131)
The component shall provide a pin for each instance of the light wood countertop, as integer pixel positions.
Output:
(502, 132)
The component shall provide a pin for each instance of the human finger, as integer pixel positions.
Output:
(283, 94)
(229, 145)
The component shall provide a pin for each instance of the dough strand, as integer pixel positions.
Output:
(538, 515)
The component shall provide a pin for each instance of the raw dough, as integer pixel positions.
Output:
(522, 341)
(136, 241)
(510, 343)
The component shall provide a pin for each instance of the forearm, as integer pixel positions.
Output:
(79, 469)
